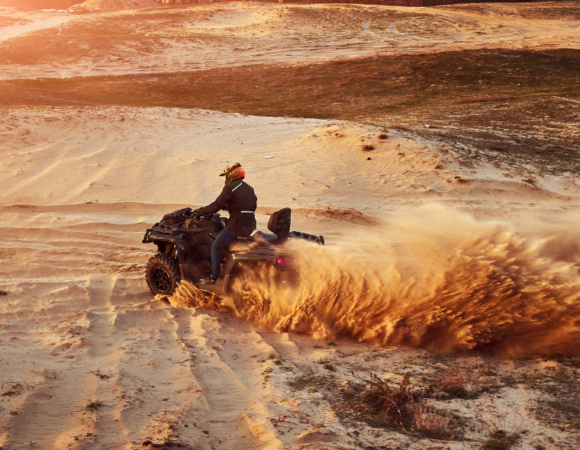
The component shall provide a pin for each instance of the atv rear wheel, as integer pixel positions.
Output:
(162, 274)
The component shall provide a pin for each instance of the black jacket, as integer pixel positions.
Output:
(239, 200)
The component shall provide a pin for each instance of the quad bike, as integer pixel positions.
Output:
(184, 240)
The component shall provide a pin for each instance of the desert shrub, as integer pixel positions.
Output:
(503, 428)
(329, 367)
(398, 407)
(463, 383)
(453, 383)
(500, 440)
(299, 382)
(94, 405)
(386, 400)
(432, 423)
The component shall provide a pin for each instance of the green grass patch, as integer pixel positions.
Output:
(9, 393)
(300, 382)
(95, 405)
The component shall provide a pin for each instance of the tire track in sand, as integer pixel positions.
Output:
(226, 367)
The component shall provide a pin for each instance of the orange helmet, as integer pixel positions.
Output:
(233, 172)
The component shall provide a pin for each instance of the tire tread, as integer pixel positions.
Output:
(170, 265)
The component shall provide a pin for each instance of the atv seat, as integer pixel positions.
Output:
(264, 238)
(279, 225)
(244, 244)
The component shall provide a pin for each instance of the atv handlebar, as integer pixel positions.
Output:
(196, 214)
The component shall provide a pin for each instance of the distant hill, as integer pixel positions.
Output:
(113, 4)
(116, 4)
(40, 4)
(92, 4)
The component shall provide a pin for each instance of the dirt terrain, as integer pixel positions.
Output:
(436, 149)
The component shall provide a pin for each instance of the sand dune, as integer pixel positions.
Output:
(445, 269)
(31, 24)
(114, 4)
(205, 37)
(158, 156)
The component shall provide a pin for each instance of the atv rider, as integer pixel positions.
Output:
(239, 200)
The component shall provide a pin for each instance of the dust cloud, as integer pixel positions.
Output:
(436, 279)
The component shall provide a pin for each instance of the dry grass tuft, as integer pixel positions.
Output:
(385, 400)
(503, 431)
(300, 382)
(382, 404)
(500, 440)
(453, 383)
(463, 383)
(432, 423)
(93, 406)
(9, 393)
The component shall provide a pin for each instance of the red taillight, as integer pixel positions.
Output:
(279, 261)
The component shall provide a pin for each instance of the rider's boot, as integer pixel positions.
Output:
(211, 280)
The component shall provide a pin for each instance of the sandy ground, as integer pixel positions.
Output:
(78, 323)
(486, 270)
(25, 23)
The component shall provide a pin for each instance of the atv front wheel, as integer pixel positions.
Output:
(162, 274)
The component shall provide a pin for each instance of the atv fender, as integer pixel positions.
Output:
(179, 253)
(170, 239)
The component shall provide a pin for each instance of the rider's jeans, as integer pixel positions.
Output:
(225, 238)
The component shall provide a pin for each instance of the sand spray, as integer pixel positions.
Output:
(432, 278)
